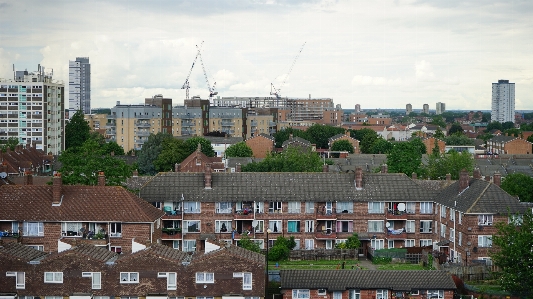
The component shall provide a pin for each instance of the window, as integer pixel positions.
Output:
(190, 207)
(117, 249)
(452, 234)
(443, 230)
(309, 244)
(297, 246)
(410, 207)
(410, 226)
(309, 207)
(426, 226)
(115, 229)
(337, 295)
(274, 207)
(460, 218)
(377, 244)
(204, 297)
(259, 207)
(345, 226)
(426, 207)
(129, 277)
(205, 277)
(191, 226)
(344, 207)
(354, 294)
(515, 219)
(275, 226)
(223, 226)
(53, 297)
(376, 207)
(442, 211)
(452, 214)
(375, 226)
(488, 260)
(484, 220)
(484, 241)
(382, 294)
(189, 245)
(294, 207)
(71, 229)
(309, 226)
(171, 279)
(460, 239)
(96, 279)
(436, 294)
(176, 244)
(20, 279)
(425, 242)
(410, 243)
(301, 294)
(223, 208)
(247, 281)
(32, 229)
(293, 226)
(260, 227)
(321, 292)
(37, 247)
(53, 277)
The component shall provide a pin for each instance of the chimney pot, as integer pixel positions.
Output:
(177, 167)
(413, 176)
(384, 168)
(238, 167)
(135, 173)
(101, 178)
(358, 178)
(477, 173)
(487, 178)
(56, 188)
(28, 178)
(497, 178)
(325, 168)
(463, 180)
(448, 177)
(207, 176)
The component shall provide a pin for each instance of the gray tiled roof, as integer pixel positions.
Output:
(480, 197)
(286, 186)
(340, 280)
(22, 252)
(296, 140)
(502, 138)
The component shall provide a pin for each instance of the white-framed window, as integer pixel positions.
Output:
(191, 226)
(294, 207)
(33, 229)
(460, 220)
(337, 295)
(484, 219)
(426, 207)
(117, 249)
(375, 226)
(96, 279)
(71, 228)
(488, 260)
(344, 207)
(425, 242)
(344, 226)
(275, 226)
(410, 243)
(274, 207)
(376, 207)
(189, 245)
(223, 226)
(309, 244)
(309, 226)
(321, 292)
(426, 226)
(436, 226)
(298, 244)
(410, 207)
(329, 244)
(436, 294)
(293, 226)
(115, 229)
(390, 244)
(191, 207)
(247, 281)
(309, 207)
(171, 279)
(53, 277)
(203, 297)
(354, 294)
(129, 277)
(205, 277)
(377, 244)
(442, 211)
(127, 297)
(176, 244)
(484, 241)
(410, 226)
(452, 214)
(452, 235)
(20, 279)
(515, 219)
(443, 230)
(260, 227)
(53, 297)
(223, 208)
(301, 294)
(259, 207)
(382, 294)
(37, 247)
(460, 239)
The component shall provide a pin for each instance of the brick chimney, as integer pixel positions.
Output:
(384, 168)
(477, 173)
(463, 180)
(325, 168)
(56, 188)
(177, 167)
(413, 175)
(101, 178)
(207, 176)
(358, 178)
(28, 178)
(448, 178)
(135, 173)
(497, 178)
(487, 178)
(238, 167)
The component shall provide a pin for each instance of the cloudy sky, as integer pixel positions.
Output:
(380, 54)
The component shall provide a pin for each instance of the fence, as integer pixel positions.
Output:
(323, 254)
(468, 273)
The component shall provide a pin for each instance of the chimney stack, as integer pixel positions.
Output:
(448, 178)
(177, 167)
(384, 168)
(325, 168)
(463, 180)
(207, 176)
(135, 173)
(238, 167)
(101, 178)
(497, 178)
(413, 175)
(28, 178)
(358, 178)
(487, 178)
(56, 188)
(477, 173)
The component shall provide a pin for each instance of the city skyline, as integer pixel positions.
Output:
(382, 54)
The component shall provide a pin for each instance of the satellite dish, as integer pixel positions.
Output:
(401, 207)
(387, 224)
(254, 223)
(3, 175)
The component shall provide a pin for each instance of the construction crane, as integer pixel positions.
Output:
(277, 92)
(186, 84)
(212, 91)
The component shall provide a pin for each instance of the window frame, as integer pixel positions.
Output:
(129, 277)
(275, 206)
(115, 229)
(57, 277)
(186, 225)
(19, 285)
(206, 277)
(247, 276)
(377, 229)
(423, 229)
(294, 207)
(94, 284)
(26, 226)
(301, 294)
(426, 207)
(172, 283)
(484, 241)
(485, 220)
(218, 226)
(298, 226)
(279, 226)
(188, 242)
(372, 207)
(226, 210)
(309, 226)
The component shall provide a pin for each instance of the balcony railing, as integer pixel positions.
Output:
(396, 234)
(325, 234)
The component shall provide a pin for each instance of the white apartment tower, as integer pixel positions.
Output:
(408, 109)
(440, 108)
(32, 110)
(79, 81)
(502, 101)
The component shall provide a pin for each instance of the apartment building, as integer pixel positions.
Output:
(509, 145)
(97, 122)
(79, 80)
(503, 101)
(31, 109)
(440, 108)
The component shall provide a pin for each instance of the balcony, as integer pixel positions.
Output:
(396, 214)
(142, 124)
(143, 133)
(228, 123)
(395, 234)
(243, 214)
(171, 234)
(326, 214)
(325, 234)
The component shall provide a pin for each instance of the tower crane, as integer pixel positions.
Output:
(186, 83)
(277, 92)
(212, 91)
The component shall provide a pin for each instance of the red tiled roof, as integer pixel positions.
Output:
(79, 203)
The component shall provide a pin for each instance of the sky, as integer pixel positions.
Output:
(379, 54)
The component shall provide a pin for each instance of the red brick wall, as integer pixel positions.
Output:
(260, 146)
(365, 294)
(518, 147)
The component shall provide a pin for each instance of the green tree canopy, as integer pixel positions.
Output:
(342, 145)
(405, 157)
(239, 149)
(77, 130)
(283, 135)
(10, 143)
(172, 151)
(281, 249)
(452, 162)
(438, 134)
(293, 159)
(495, 125)
(439, 121)
(381, 146)
(366, 137)
(512, 253)
(247, 243)
(352, 242)
(455, 128)
(320, 134)
(519, 184)
(191, 145)
(458, 139)
(150, 151)
(113, 147)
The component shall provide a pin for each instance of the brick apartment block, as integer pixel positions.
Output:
(509, 145)
(261, 145)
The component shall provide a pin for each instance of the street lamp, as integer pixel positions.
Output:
(266, 276)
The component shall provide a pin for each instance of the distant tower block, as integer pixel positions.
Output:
(357, 108)
(441, 107)
(503, 102)
(426, 108)
(408, 109)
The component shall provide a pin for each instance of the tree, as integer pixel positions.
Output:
(191, 145)
(458, 139)
(150, 151)
(247, 243)
(405, 157)
(352, 242)
(513, 132)
(342, 145)
(290, 160)
(513, 255)
(283, 135)
(366, 138)
(439, 121)
(455, 128)
(77, 130)
(172, 151)
(113, 147)
(10, 143)
(281, 249)
(495, 125)
(507, 125)
(239, 149)
(452, 162)
(381, 146)
(438, 133)
(320, 134)
(519, 184)
(419, 146)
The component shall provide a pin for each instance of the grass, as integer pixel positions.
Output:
(314, 265)
(400, 267)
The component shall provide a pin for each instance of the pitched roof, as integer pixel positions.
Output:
(340, 280)
(160, 251)
(338, 136)
(295, 139)
(480, 197)
(79, 203)
(271, 186)
(237, 252)
(21, 252)
(85, 251)
(271, 138)
(504, 139)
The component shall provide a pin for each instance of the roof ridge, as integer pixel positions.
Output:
(478, 198)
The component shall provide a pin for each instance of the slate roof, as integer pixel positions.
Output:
(160, 251)
(480, 197)
(237, 252)
(295, 139)
(21, 252)
(502, 138)
(79, 203)
(269, 137)
(275, 186)
(340, 280)
(333, 138)
(86, 251)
